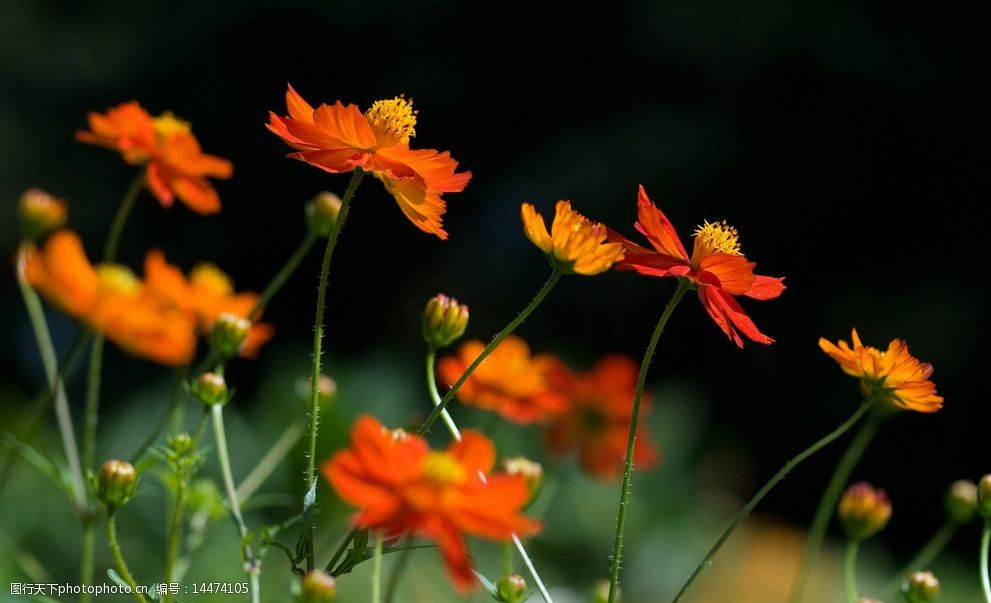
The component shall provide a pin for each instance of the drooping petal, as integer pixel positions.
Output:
(727, 314)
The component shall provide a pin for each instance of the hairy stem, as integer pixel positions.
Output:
(120, 218)
(122, 569)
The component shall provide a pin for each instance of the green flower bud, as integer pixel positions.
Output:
(229, 333)
(531, 471)
(179, 443)
(444, 321)
(511, 589)
(116, 484)
(864, 511)
(922, 587)
(210, 389)
(40, 213)
(317, 587)
(961, 501)
(984, 497)
(322, 212)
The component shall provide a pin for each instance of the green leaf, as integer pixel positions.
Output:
(115, 578)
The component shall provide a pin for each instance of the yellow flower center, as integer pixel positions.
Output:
(393, 120)
(442, 468)
(167, 124)
(718, 237)
(211, 279)
(115, 278)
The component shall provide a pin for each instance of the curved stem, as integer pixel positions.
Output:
(120, 219)
(284, 273)
(119, 557)
(827, 504)
(435, 397)
(311, 476)
(850, 571)
(516, 322)
(985, 541)
(223, 458)
(377, 569)
(926, 555)
(624, 497)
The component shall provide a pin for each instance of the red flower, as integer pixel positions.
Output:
(716, 267)
(597, 421)
(403, 487)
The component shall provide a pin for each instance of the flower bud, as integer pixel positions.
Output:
(322, 212)
(864, 511)
(40, 213)
(529, 470)
(210, 389)
(179, 443)
(511, 589)
(961, 501)
(116, 484)
(922, 587)
(229, 333)
(600, 592)
(317, 587)
(444, 321)
(984, 497)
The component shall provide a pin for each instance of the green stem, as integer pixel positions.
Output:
(223, 458)
(397, 572)
(780, 475)
(182, 494)
(507, 559)
(171, 412)
(92, 401)
(820, 522)
(119, 557)
(617, 556)
(850, 571)
(516, 322)
(284, 273)
(922, 559)
(311, 475)
(377, 569)
(86, 561)
(120, 219)
(985, 541)
(270, 461)
(435, 397)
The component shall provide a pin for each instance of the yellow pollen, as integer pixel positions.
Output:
(167, 124)
(393, 119)
(719, 237)
(442, 468)
(117, 279)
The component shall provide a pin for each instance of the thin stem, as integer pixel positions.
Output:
(220, 437)
(377, 569)
(120, 219)
(270, 461)
(182, 494)
(284, 273)
(507, 559)
(91, 418)
(435, 397)
(827, 504)
(176, 398)
(397, 572)
(926, 555)
(850, 571)
(87, 546)
(516, 322)
(119, 557)
(784, 471)
(985, 541)
(624, 499)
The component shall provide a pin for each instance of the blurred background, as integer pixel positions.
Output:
(846, 142)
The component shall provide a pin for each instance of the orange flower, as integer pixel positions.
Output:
(891, 375)
(338, 138)
(509, 381)
(205, 295)
(716, 267)
(597, 422)
(575, 245)
(110, 299)
(176, 166)
(403, 487)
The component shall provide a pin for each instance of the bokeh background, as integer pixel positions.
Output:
(846, 141)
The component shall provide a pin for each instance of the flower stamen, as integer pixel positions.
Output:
(393, 120)
(718, 237)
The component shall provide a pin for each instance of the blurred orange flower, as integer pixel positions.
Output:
(403, 487)
(575, 244)
(110, 299)
(205, 295)
(338, 138)
(892, 375)
(716, 267)
(509, 381)
(176, 166)
(597, 422)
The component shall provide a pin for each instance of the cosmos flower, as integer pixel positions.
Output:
(175, 164)
(400, 486)
(892, 376)
(339, 138)
(716, 267)
(575, 245)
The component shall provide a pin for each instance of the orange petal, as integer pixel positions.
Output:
(654, 225)
(734, 273)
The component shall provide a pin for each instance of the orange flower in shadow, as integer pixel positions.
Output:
(509, 381)
(176, 166)
(206, 294)
(597, 422)
(716, 267)
(575, 244)
(402, 487)
(893, 376)
(109, 299)
(339, 138)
